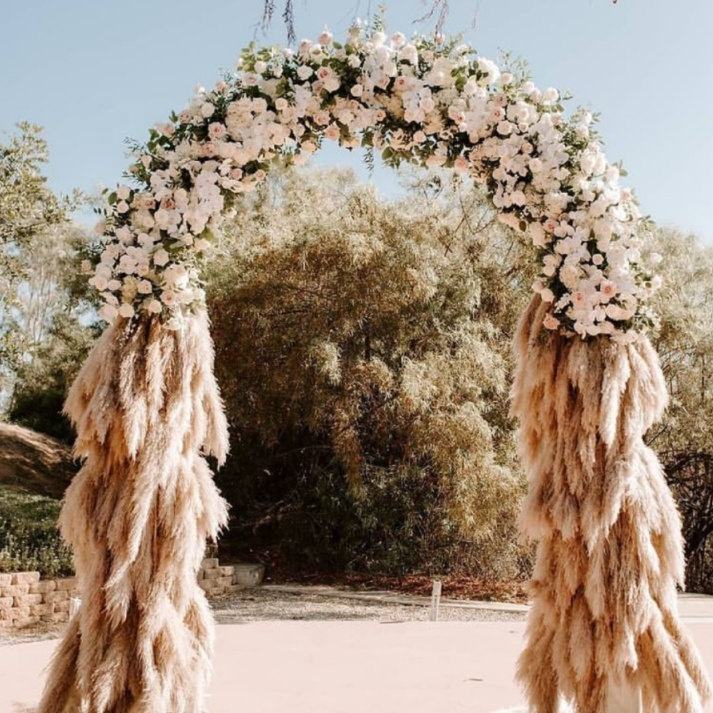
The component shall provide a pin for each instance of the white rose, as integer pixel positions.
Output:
(550, 95)
(490, 69)
(260, 67)
(207, 110)
(145, 287)
(398, 39)
(108, 312)
(154, 306)
(126, 310)
(123, 193)
(160, 257)
(408, 53)
(99, 282)
(547, 295)
(304, 72)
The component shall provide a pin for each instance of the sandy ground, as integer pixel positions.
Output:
(357, 658)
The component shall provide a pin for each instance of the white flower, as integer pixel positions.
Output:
(398, 39)
(550, 95)
(154, 306)
(207, 110)
(160, 257)
(325, 38)
(169, 298)
(123, 193)
(126, 310)
(304, 72)
(489, 69)
(108, 312)
(260, 67)
(408, 53)
(217, 130)
(145, 287)
(99, 282)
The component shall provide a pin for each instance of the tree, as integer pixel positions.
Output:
(684, 439)
(365, 377)
(39, 248)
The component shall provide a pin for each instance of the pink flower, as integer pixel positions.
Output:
(550, 322)
(332, 132)
(608, 289)
(217, 130)
(461, 164)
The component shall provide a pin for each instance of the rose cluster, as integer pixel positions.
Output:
(426, 101)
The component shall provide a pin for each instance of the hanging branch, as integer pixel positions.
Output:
(439, 9)
(288, 17)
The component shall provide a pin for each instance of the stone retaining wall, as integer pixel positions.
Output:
(27, 600)
(216, 579)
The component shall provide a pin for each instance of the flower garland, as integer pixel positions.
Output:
(429, 102)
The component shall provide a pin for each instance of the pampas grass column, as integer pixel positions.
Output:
(610, 552)
(147, 410)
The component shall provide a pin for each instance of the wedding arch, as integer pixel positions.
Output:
(587, 385)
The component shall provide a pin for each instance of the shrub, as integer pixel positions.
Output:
(365, 384)
(29, 539)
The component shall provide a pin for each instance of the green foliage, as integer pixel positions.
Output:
(38, 245)
(362, 372)
(363, 348)
(42, 383)
(29, 540)
(684, 439)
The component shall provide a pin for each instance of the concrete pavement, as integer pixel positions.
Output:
(345, 666)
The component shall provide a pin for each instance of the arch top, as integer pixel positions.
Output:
(428, 101)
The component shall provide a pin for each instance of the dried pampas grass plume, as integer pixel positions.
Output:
(147, 411)
(610, 552)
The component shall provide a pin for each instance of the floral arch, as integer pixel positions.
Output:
(587, 384)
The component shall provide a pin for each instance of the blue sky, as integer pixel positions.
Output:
(93, 72)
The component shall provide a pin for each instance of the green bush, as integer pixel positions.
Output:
(42, 382)
(29, 539)
(365, 380)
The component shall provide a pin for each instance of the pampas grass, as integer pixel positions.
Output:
(147, 410)
(610, 552)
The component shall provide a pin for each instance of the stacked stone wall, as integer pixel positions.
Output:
(26, 600)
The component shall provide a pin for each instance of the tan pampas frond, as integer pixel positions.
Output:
(147, 411)
(610, 552)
